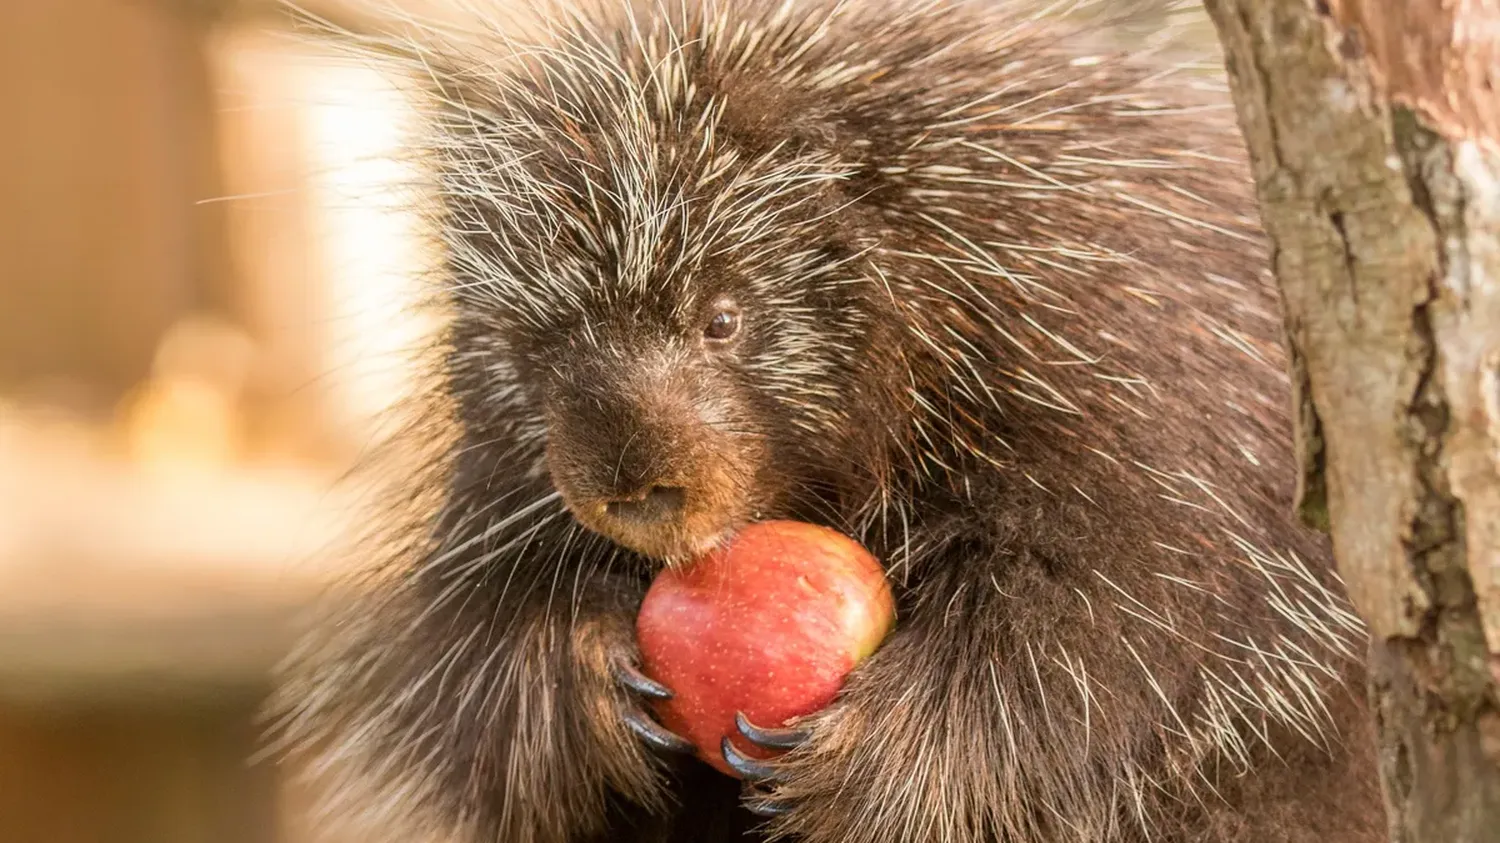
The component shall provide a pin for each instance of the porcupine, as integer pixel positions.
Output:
(938, 275)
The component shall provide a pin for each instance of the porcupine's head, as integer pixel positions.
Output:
(669, 269)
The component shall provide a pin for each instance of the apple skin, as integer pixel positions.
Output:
(768, 625)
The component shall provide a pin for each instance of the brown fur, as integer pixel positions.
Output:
(1007, 321)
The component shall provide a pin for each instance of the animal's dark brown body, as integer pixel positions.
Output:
(936, 276)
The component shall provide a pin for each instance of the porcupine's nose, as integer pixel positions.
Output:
(656, 504)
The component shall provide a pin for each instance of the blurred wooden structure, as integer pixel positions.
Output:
(139, 613)
(165, 496)
(109, 141)
(133, 774)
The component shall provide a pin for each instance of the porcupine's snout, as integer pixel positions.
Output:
(650, 456)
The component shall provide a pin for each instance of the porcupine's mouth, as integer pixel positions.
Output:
(701, 548)
(670, 542)
(676, 552)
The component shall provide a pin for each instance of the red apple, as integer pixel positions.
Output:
(768, 625)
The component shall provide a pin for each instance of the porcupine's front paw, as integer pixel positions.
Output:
(640, 688)
(760, 775)
(846, 773)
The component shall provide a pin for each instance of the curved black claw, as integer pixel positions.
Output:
(636, 681)
(774, 808)
(638, 720)
(770, 738)
(749, 768)
(654, 734)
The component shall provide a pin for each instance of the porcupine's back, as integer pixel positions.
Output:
(1081, 365)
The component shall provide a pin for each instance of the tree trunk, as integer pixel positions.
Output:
(1374, 131)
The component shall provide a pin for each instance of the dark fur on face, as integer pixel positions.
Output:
(703, 339)
(668, 424)
(935, 275)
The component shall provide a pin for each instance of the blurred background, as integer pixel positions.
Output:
(206, 252)
(202, 271)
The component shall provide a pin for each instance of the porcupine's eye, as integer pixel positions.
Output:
(724, 324)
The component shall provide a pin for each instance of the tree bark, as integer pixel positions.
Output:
(1374, 131)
